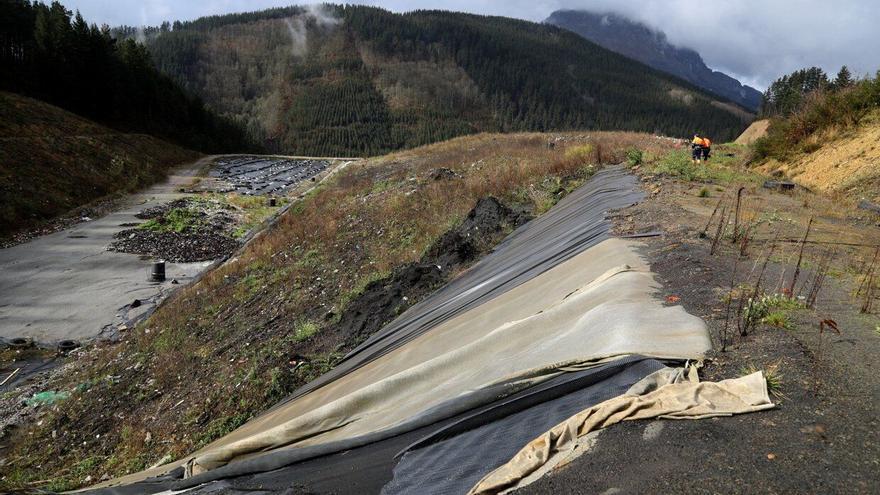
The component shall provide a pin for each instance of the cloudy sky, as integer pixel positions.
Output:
(753, 40)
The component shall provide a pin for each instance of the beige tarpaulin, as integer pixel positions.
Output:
(677, 399)
(598, 305)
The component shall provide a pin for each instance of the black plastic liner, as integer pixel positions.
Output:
(448, 456)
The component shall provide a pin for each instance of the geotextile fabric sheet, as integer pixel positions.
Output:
(576, 223)
(456, 457)
(679, 399)
(606, 310)
(494, 434)
(558, 296)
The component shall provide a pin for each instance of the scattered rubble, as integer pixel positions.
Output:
(174, 246)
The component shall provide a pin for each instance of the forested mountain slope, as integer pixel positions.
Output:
(363, 81)
(642, 43)
(47, 52)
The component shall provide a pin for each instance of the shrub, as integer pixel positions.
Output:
(634, 156)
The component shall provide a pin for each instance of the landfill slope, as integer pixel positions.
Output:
(557, 295)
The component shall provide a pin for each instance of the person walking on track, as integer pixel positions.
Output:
(696, 149)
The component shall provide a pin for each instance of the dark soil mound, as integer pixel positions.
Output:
(383, 300)
(475, 234)
(161, 210)
(173, 246)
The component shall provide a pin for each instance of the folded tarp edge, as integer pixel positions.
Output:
(680, 398)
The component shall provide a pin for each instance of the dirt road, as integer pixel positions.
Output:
(67, 286)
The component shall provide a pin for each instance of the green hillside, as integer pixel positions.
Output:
(363, 81)
(52, 161)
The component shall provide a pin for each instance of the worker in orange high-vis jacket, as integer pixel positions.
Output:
(707, 148)
(696, 148)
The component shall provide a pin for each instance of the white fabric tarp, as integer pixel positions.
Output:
(599, 305)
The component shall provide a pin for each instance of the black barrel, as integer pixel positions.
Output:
(157, 274)
(272, 202)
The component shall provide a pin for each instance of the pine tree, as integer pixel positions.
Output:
(844, 78)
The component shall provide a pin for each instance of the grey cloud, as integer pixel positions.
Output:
(754, 40)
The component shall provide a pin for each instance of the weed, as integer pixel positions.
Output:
(304, 331)
(759, 310)
(584, 153)
(773, 376)
(778, 319)
(176, 220)
(704, 193)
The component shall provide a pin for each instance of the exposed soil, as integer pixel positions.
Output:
(822, 437)
(757, 130)
(848, 163)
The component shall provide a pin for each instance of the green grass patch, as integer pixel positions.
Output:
(778, 319)
(771, 310)
(720, 169)
(304, 331)
(176, 220)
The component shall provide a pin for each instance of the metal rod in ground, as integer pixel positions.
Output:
(703, 232)
(821, 272)
(724, 332)
(736, 216)
(10, 376)
(830, 243)
(869, 272)
(719, 231)
(869, 290)
(797, 268)
(747, 236)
